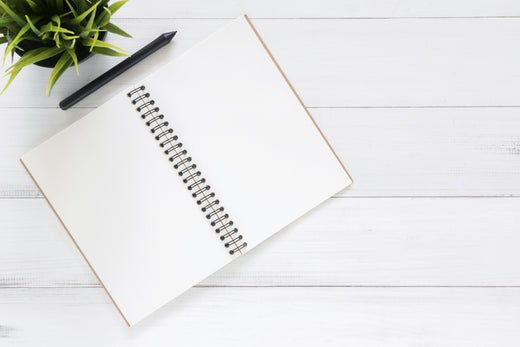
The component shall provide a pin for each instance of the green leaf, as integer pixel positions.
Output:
(74, 57)
(4, 21)
(90, 22)
(56, 37)
(69, 37)
(56, 19)
(116, 30)
(11, 13)
(3, 39)
(81, 5)
(69, 43)
(61, 66)
(34, 56)
(34, 6)
(49, 28)
(108, 51)
(28, 58)
(12, 76)
(32, 26)
(116, 6)
(94, 40)
(102, 44)
(84, 15)
(104, 17)
(72, 9)
(18, 38)
(89, 34)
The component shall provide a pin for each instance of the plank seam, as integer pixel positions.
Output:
(283, 286)
(509, 196)
(324, 18)
(309, 107)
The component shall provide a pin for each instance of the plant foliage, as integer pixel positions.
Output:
(56, 28)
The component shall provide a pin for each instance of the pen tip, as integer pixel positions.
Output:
(169, 35)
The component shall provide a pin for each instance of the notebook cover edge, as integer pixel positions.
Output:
(296, 95)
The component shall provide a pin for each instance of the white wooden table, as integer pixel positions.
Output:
(420, 98)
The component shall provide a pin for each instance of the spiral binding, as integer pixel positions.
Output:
(186, 169)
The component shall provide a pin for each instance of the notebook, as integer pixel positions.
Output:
(187, 170)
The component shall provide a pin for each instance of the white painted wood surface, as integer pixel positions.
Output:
(322, 9)
(338, 62)
(389, 152)
(344, 242)
(372, 317)
(420, 99)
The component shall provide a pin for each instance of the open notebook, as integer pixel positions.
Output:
(183, 172)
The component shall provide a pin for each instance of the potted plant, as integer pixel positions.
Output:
(56, 33)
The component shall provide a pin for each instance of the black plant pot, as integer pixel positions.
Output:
(82, 52)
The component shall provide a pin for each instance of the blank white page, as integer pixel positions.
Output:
(126, 208)
(248, 132)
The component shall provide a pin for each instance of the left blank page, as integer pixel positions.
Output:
(125, 208)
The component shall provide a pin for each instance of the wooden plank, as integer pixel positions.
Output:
(345, 242)
(427, 152)
(389, 152)
(428, 317)
(320, 9)
(336, 63)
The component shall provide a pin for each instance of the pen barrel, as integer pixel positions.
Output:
(117, 70)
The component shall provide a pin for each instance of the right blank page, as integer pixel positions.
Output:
(246, 129)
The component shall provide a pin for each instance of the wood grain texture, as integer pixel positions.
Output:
(320, 9)
(344, 242)
(340, 276)
(372, 317)
(389, 152)
(336, 63)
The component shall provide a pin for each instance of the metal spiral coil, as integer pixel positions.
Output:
(187, 170)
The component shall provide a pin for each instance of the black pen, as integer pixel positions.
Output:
(117, 70)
